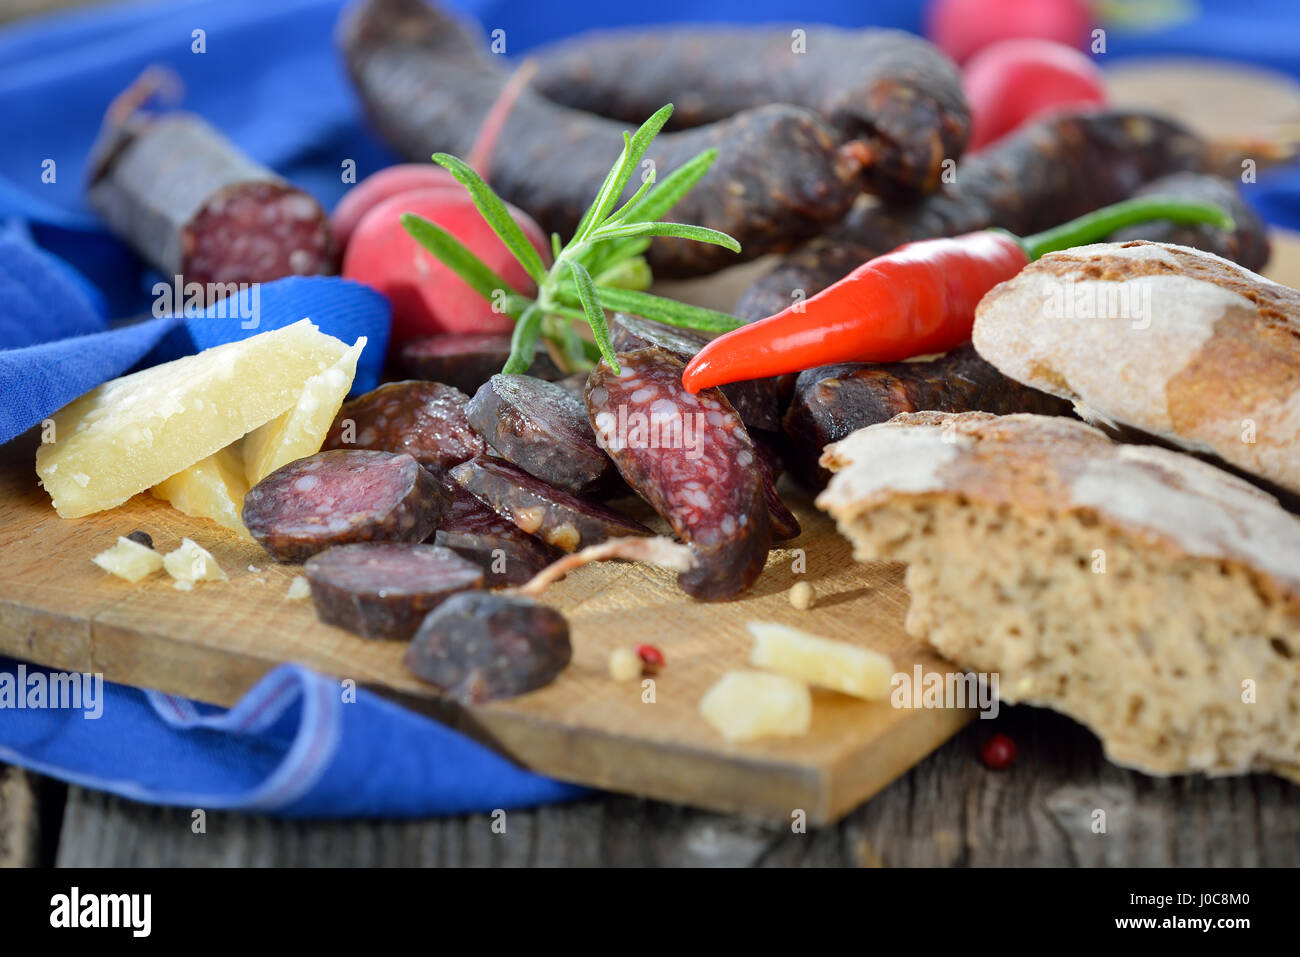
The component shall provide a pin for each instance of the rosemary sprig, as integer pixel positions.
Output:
(601, 267)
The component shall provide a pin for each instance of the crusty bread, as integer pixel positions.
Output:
(1169, 340)
(1137, 589)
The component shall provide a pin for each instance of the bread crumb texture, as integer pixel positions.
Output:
(1138, 590)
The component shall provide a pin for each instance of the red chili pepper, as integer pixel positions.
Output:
(916, 300)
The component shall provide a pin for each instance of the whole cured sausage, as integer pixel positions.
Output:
(690, 457)
(423, 419)
(782, 174)
(555, 516)
(1247, 245)
(756, 401)
(192, 205)
(480, 647)
(507, 554)
(1042, 175)
(542, 428)
(466, 361)
(832, 401)
(334, 498)
(891, 89)
(383, 589)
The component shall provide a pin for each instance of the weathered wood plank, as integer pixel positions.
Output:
(949, 810)
(19, 819)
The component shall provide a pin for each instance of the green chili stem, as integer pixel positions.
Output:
(1094, 227)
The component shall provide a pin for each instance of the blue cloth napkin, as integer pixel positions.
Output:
(271, 79)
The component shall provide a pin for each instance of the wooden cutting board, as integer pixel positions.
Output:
(213, 643)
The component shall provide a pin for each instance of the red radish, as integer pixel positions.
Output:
(405, 177)
(1011, 81)
(426, 296)
(962, 27)
(388, 182)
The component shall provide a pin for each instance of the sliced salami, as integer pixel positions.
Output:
(542, 428)
(343, 496)
(690, 457)
(384, 590)
(467, 361)
(507, 554)
(480, 647)
(757, 401)
(423, 419)
(557, 517)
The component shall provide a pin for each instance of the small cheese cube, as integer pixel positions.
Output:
(821, 662)
(744, 705)
(129, 560)
(299, 589)
(192, 563)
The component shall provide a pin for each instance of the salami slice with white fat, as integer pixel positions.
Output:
(384, 590)
(339, 497)
(757, 401)
(426, 420)
(690, 457)
(542, 428)
(557, 517)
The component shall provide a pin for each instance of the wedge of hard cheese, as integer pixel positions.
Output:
(132, 433)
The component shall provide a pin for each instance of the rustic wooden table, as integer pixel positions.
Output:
(948, 810)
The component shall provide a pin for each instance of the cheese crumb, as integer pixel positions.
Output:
(192, 563)
(801, 595)
(744, 705)
(821, 662)
(299, 588)
(129, 560)
(181, 585)
(624, 665)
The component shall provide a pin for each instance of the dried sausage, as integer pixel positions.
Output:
(892, 89)
(465, 361)
(334, 498)
(782, 175)
(385, 589)
(1040, 176)
(424, 419)
(756, 401)
(690, 457)
(480, 646)
(832, 401)
(192, 205)
(557, 517)
(507, 554)
(542, 428)
(1247, 244)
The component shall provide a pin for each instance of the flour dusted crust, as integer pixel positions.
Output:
(1137, 589)
(1166, 339)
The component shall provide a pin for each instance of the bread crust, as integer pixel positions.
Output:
(1001, 520)
(1172, 341)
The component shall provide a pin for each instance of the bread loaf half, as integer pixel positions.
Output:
(1141, 591)
(1169, 340)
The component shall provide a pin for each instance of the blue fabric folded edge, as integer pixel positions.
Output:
(291, 749)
